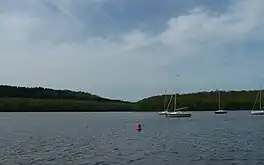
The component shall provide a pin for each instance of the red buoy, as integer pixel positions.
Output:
(138, 127)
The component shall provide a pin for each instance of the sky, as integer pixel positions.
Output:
(129, 50)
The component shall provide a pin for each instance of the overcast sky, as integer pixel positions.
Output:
(131, 49)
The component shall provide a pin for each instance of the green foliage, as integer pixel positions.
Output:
(45, 99)
(44, 93)
(29, 104)
(230, 100)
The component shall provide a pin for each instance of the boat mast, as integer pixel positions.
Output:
(164, 105)
(260, 90)
(175, 98)
(219, 99)
(169, 103)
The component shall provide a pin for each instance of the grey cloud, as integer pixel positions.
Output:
(48, 48)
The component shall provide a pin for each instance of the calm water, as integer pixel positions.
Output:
(111, 138)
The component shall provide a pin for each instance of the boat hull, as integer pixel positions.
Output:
(163, 113)
(178, 115)
(220, 112)
(257, 112)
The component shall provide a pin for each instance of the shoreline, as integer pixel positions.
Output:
(115, 111)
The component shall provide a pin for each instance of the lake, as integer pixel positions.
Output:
(111, 138)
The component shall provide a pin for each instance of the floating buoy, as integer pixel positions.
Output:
(138, 127)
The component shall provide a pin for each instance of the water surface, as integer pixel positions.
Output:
(111, 138)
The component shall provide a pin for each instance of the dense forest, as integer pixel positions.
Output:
(230, 100)
(14, 98)
(44, 93)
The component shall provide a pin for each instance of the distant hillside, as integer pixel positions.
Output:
(60, 105)
(13, 98)
(236, 100)
(44, 93)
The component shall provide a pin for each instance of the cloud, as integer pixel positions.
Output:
(60, 46)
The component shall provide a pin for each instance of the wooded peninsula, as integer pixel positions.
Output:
(38, 99)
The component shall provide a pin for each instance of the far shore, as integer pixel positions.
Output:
(39, 99)
(115, 111)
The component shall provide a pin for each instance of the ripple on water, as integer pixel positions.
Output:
(73, 139)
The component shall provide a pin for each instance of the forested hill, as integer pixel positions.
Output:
(44, 93)
(236, 100)
(14, 98)
(40, 99)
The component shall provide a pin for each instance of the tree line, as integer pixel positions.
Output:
(14, 98)
(43, 93)
(61, 105)
(230, 100)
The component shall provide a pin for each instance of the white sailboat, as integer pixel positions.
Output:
(220, 111)
(260, 111)
(177, 111)
(164, 105)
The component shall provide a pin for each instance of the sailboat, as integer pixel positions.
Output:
(260, 111)
(164, 106)
(177, 111)
(220, 111)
